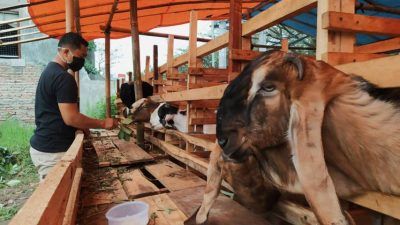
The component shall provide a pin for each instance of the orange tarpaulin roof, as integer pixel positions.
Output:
(50, 17)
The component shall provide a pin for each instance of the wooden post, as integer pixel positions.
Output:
(192, 61)
(285, 45)
(136, 66)
(107, 73)
(330, 41)
(130, 77)
(69, 16)
(235, 35)
(147, 69)
(77, 24)
(170, 55)
(155, 67)
(118, 86)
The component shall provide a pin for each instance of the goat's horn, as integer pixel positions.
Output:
(294, 59)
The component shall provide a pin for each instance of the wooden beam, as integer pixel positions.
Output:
(356, 23)
(71, 210)
(386, 204)
(110, 18)
(243, 55)
(214, 92)
(179, 154)
(208, 145)
(330, 41)
(147, 69)
(136, 66)
(192, 61)
(77, 16)
(336, 58)
(295, 214)
(275, 14)
(155, 67)
(272, 16)
(235, 35)
(107, 69)
(379, 46)
(48, 202)
(285, 45)
(170, 55)
(383, 71)
(154, 34)
(69, 16)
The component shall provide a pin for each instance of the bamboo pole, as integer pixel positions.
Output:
(19, 35)
(24, 41)
(107, 74)
(69, 16)
(136, 66)
(78, 30)
(8, 8)
(17, 28)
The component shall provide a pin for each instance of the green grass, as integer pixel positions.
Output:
(14, 144)
(98, 110)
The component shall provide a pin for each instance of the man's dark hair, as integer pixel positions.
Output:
(72, 40)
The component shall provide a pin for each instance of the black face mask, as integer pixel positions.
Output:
(76, 64)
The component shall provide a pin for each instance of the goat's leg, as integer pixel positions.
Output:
(214, 180)
(308, 158)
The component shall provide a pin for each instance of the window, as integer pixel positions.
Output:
(8, 51)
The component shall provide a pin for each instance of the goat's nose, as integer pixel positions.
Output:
(222, 142)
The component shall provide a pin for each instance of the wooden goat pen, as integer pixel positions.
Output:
(199, 90)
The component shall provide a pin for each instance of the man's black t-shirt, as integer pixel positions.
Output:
(55, 86)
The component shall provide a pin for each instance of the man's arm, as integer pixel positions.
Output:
(72, 117)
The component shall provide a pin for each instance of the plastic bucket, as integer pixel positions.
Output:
(129, 213)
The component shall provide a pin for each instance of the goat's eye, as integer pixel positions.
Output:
(268, 88)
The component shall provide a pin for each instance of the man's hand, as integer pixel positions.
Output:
(110, 123)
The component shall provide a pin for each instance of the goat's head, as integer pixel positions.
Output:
(140, 110)
(255, 108)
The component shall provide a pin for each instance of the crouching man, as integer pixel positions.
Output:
(56, 106)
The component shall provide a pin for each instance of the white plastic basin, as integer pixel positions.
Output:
(129, 213)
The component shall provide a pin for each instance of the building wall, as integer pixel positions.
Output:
(19, 77)
(17, 91)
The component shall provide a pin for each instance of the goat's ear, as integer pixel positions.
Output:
(295, 60)
(305, 138)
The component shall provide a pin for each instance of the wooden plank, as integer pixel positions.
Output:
(71, 210)
(386, 204)
(214, 92)
(379, 46)
(337, 58)
(103, 189)
(108, 154)
(243, 55)
(107, 72)
(383, 71)
(206, 71)
(339, 21)
(192, 61)
(132, 152)
(48, 202)
(223, 211)
(179, 154)
(174, 177)
(136, 185)
(295, 214)
(200, 121)
(165, 209)
(74, 152)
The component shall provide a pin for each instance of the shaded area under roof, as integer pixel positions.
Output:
(50, 17)
(306, 23)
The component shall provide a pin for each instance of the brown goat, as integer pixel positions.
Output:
(318, 131)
